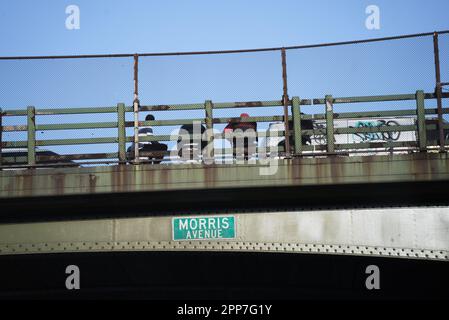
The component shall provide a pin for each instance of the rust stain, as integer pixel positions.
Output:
(92, 183)
(297, 170)
(421, 166)
(210, 176)
(133, 178)
(158, 108)
(367, 168)
(165, 177)
(59, 180)
(27, 183)
(116, 177)
(336, 170)
(248, 104)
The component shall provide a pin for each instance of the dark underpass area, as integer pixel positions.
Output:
(185, 275)
(207, 275)
(225, 201)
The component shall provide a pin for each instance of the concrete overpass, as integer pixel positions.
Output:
(128, 197)
(316, 202)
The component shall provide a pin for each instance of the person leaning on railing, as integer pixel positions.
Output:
(241, 124)
(154, 147)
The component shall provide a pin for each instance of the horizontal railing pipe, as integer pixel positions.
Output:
(222, 105)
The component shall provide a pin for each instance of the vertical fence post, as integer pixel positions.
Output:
(296, 112)
(285, 103)
(1, 137)
(438, 91)
(330, 124)
(209, 125)
(31, 123)
(121, 132)
(421, 121)
(136, 108)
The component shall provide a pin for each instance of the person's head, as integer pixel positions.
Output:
(149, 117)
(244, 115)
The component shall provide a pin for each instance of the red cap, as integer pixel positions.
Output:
(244, 115)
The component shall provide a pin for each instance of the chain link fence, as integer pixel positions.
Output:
(245, 78)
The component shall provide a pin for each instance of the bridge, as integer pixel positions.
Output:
(366, 199)
(333, 190)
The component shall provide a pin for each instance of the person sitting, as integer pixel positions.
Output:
(305, 139)
(158, 149)
(191, 148)
(241, 124)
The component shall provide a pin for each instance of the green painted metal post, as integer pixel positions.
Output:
(31, 122)
(136, 106)
(1, 136)
(285, 102)
(439, 92)
(121, 132)
(209, 125)
(421, 121)
(296, 112)
(330, 124)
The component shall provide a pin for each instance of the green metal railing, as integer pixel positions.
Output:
(421, 127)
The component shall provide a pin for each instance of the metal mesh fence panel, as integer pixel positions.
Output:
(217, 77)
(364, 69)
(251, 82)
(66, 83)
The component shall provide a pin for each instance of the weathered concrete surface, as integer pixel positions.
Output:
(417, 167)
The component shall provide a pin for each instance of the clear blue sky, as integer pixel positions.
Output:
(38, 28)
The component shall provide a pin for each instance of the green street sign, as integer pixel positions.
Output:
(201, 228)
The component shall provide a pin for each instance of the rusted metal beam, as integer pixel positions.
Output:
(421, 121)
(296, 113)
(208, 105)
(285, 101)
(438, 91)
(31, 123)
(247, 104)
(22, 159)
(65, 142)
(99, 125)
(222, 105)
(382, 98)
(136, 77)
(75, 157)
(330, 124)
(173, 122)
(121, 132)
(136, 108)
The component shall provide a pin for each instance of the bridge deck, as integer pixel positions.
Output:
(418, 167)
